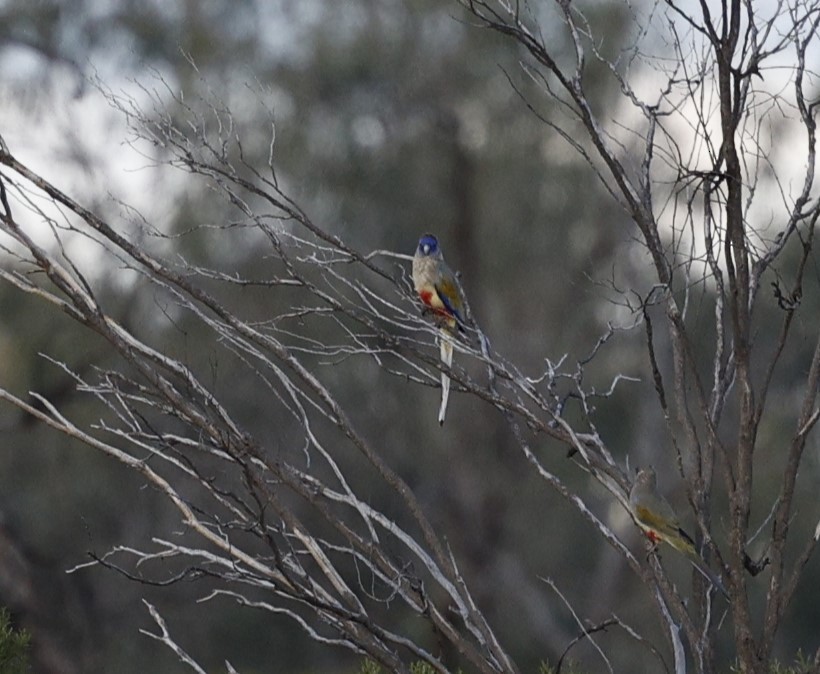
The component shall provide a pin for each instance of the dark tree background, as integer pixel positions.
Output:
(391, 119)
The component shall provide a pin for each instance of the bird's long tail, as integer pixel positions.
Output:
(446, 346)
(706, 572)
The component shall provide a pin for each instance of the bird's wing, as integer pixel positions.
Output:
(448, 294)
(657, 521)
(665, 527)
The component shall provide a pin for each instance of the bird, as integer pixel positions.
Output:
(436, 285)
(658, 520)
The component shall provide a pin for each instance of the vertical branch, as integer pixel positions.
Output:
(778, 596)
(736, 258)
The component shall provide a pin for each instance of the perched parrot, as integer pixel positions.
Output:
(436, 285)
(655, 516)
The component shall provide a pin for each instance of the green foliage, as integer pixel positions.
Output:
(802, 665)
(13, 646)
(370, 667)
(421, 668)
(569, 668)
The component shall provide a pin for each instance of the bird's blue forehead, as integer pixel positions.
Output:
(428, 244)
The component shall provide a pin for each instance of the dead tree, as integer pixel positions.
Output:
(688, 179)
(691, 158)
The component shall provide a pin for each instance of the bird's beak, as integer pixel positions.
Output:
(426, 249)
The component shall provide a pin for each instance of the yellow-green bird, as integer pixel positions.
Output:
(658, 520)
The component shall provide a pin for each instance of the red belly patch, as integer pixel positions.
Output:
(428, 297)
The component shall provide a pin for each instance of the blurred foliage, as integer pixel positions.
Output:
(569, 669)
(802, 665)
(371, 667)
(14, 646)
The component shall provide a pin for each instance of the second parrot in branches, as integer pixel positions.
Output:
(659, 522)
(438, 289)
